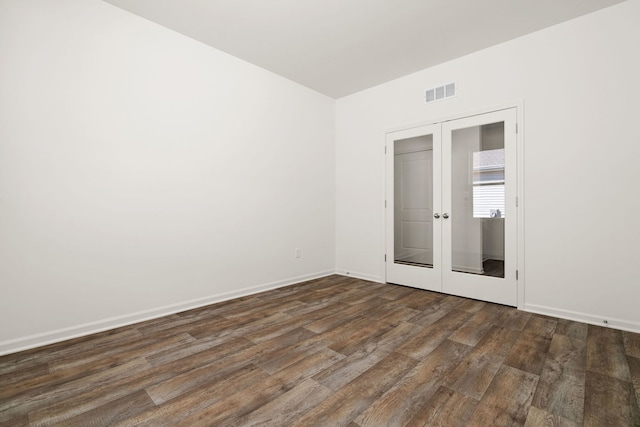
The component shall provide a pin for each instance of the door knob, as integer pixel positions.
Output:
(445, 215)
(436, 215)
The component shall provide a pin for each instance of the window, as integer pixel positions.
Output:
(488, 184)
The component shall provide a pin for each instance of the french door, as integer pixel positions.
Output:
(451, 207)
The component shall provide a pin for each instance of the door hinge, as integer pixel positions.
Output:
(385, 257)
(385, 149)
(516, 274)
(385, 203)
(516, 202)
(516, 127)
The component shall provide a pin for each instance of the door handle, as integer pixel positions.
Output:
(445, 215)
(436, 215)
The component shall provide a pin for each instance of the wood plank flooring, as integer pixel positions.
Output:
(336, 351)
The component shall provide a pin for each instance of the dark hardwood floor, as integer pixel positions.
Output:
(333, 351)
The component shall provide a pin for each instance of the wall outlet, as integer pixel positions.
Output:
(297, 253)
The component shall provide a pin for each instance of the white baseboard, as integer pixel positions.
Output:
(362, 276)
(50, 337)
(614, 323)
(466, 269)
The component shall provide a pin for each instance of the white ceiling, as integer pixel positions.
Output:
(339, 47)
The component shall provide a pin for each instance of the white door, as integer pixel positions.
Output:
(414, 228)
(451, 216)
(413, 195)
(479, 245)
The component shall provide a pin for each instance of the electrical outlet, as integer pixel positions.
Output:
(297, 253)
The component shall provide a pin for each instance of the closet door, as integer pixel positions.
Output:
(413, 194)
(479, 218)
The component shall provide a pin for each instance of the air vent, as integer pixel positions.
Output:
(440, 92)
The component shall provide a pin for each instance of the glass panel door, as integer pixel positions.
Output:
(479, 219)
(413, 199)
(451, 216)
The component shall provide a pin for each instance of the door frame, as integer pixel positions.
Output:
(519, 106)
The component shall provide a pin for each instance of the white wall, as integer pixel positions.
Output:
(493, 228)
(142, 172)
(579, 83)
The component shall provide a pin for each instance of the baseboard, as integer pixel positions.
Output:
(466, 269)
(584, 317)
(487, 257)
(362, 276)
(46, 338)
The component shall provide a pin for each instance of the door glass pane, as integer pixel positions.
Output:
(478, 206)
(413, 201)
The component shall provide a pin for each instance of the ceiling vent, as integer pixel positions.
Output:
(439, 93)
